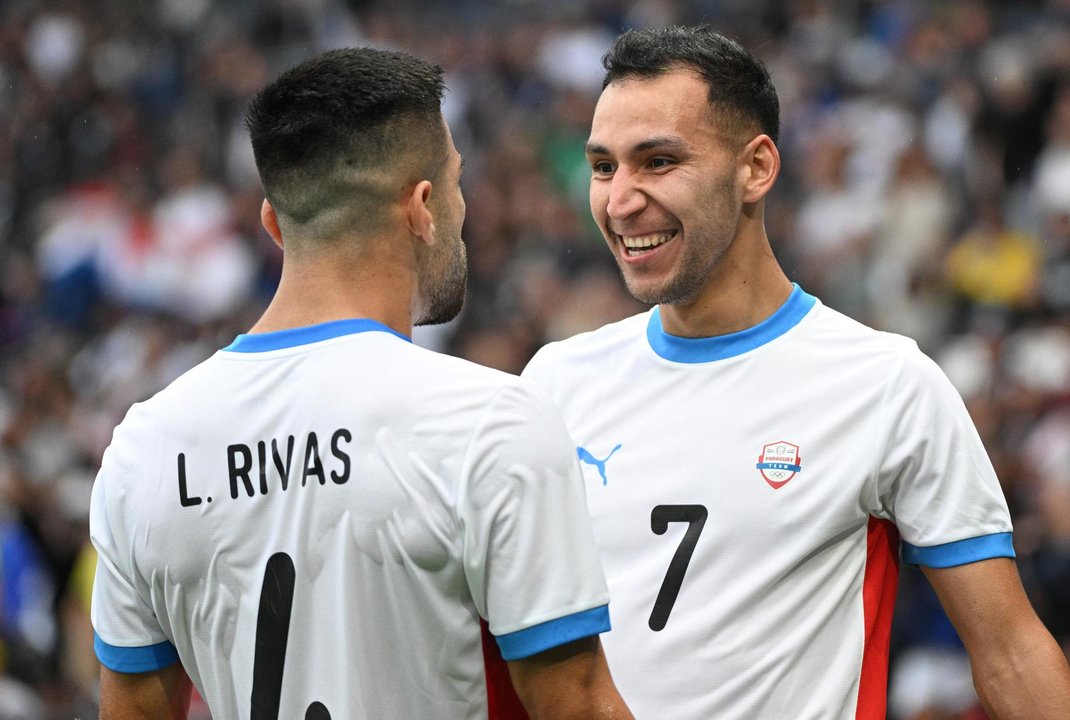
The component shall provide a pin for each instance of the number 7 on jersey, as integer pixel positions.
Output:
(660, 517)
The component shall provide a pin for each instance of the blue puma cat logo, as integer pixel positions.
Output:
(600, 465)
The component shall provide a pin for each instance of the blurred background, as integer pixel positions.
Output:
(925, 190)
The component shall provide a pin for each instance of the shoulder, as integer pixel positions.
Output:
(177, 401)
(137, 439)
(846, 334)
(464, 378)
(839, 340)
(591, 347)
(849, 350)
(509, 421)
(479, 399)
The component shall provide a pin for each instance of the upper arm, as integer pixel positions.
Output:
(570, 681)
(158, 695)
(985, 600)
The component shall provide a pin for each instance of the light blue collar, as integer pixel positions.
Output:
(708, 349)
(292, 337)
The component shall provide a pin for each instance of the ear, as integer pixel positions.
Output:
(418, 216)
(759, 168)
(270, 222)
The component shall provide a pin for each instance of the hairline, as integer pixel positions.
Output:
(729, 121)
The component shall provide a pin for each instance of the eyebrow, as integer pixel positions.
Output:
(663, 141)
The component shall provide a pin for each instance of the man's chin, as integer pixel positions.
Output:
(645, 292)
(440, 314)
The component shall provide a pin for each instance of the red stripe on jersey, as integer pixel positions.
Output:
(878, 602)
(502, 701)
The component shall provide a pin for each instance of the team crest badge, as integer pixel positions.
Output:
(779, 462)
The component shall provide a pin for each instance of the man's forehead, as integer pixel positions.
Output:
(666, 109)
(635, 114)
(685, 83)
(674, 92)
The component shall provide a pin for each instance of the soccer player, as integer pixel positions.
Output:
(323, 520)
(755, 461)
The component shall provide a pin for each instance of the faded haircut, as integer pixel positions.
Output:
(740, 90)
(333, 135)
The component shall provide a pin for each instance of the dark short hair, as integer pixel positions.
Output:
(740, 89)
(339, 116)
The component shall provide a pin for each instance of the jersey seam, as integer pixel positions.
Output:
(884, 437)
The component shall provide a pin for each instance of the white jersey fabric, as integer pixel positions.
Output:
(748, 493)
(316, 521)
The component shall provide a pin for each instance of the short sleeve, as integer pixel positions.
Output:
(935, 478)
(530, 556)
(127, 636)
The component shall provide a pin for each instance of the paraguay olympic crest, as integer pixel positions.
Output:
(779, 463)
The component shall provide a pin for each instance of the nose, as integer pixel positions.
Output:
(625, 197)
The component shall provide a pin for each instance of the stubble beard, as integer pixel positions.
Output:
(445, 296)
(681, 288)
(687, 280)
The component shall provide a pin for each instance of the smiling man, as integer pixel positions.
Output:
(771, 458)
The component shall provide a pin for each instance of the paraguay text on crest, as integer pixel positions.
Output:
(779, 462)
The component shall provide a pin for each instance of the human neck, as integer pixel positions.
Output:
(745, 289)
(318, 290)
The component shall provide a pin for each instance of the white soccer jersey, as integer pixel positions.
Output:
(317, 520)
(748, 493)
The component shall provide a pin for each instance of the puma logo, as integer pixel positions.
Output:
(600, 465)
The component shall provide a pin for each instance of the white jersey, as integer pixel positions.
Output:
(318, 519)
(748, 493)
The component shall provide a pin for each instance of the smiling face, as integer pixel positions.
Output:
(666, 188)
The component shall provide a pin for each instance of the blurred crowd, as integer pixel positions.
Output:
(925, 190)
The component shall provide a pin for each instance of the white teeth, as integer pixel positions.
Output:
(640, 242)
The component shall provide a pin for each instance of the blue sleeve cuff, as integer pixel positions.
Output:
(135, 659)
(537, 638)
(960, 552)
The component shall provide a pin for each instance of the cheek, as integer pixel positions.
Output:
(599, 197)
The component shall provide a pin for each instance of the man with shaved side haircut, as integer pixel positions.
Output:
(323, 520)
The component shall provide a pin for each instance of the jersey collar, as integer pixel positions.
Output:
(699, 350)
(292, 337)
